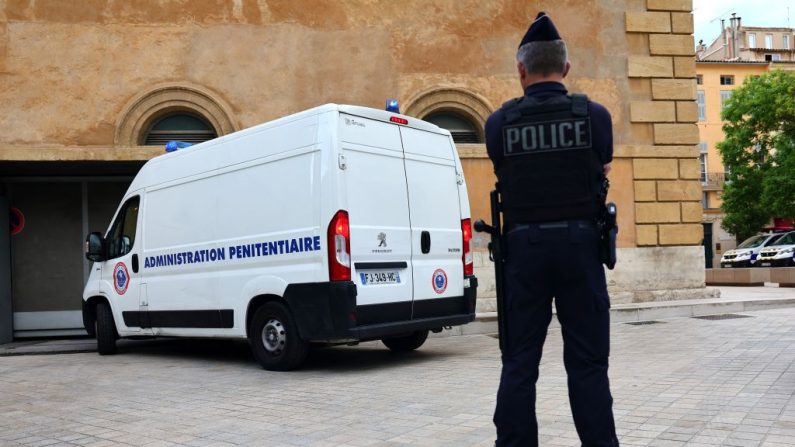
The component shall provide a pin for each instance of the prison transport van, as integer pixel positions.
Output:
(338, 224)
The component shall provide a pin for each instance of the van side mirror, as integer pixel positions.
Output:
(95, 247)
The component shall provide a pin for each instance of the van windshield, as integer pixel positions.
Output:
(753, 242)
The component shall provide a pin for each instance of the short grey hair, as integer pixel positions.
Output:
(543, 57)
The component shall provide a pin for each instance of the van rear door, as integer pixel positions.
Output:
(434, 208)
(378, 210)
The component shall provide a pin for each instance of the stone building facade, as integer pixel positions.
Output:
(84, 85)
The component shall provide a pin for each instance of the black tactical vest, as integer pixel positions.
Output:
(550, 170)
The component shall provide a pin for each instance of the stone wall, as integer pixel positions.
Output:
(81, 79)
(666, 173)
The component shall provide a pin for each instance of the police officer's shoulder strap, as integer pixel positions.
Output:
(579, 104)
(512, 102)
(510, 109)
(525, 105)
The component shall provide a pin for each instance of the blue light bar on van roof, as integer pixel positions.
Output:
(171, 146)
(392, 106)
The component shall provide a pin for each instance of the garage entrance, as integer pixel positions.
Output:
(47, 265)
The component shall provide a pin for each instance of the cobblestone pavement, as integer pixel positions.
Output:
(687, 381)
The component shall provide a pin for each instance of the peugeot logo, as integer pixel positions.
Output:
(382, 239)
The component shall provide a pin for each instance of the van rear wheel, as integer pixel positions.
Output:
(274, 338)
(407, 342)
(105, 330)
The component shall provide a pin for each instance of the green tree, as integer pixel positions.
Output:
(759, 153)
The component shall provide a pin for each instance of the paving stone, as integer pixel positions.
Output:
(687, 382)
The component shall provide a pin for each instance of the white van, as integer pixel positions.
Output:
(335, 225)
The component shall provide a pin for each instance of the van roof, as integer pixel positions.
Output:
(363, 112)
(383, 115)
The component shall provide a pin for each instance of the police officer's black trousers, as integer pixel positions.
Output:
(560, 261)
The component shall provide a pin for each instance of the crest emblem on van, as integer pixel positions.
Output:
(382, 239)
(121, 278)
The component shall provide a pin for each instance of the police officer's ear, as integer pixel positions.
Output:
(566, 69)
(522, 71)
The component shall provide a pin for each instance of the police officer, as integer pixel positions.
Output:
(551, 152)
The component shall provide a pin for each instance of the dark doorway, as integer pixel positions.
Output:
(708, 252)
(47, 266)
(6, 310)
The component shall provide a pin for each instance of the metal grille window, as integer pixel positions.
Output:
(462, 129)
(179, 127)
(726, 79)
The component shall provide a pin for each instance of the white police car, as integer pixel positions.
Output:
(780, 253)
(334, 225)
(745, 255)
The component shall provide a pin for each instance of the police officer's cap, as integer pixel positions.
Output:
(541, 30)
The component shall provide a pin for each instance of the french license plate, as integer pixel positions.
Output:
(765, 264)
(375, 278)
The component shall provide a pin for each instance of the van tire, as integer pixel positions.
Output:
(105, 329)
(406, 343)
(274, 338)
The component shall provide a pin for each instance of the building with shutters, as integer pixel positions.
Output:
(91, 90)
(749, 43)
(737, 53)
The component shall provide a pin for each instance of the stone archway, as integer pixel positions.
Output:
(145, 109)
(451, 99)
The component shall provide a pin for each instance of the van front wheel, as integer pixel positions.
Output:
(274, 338)
(105, 330)
(407, 342)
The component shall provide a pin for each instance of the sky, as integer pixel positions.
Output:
(707, 15)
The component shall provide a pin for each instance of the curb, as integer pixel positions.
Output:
(486, 322)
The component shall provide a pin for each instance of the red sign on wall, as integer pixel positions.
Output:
(17, 220)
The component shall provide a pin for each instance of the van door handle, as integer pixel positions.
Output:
(425, 242)
(135, 263)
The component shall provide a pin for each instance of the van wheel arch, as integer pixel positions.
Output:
(256, 303)
(90, 313)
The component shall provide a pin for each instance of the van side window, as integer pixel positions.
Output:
(121, 236)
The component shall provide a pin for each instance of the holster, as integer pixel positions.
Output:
(608, 230)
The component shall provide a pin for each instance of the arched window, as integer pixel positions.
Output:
(462, 129)
(173, 112)
(462, 112)
(181, 127)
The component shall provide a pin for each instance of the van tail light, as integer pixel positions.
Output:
(466, 232)
(339, 247)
